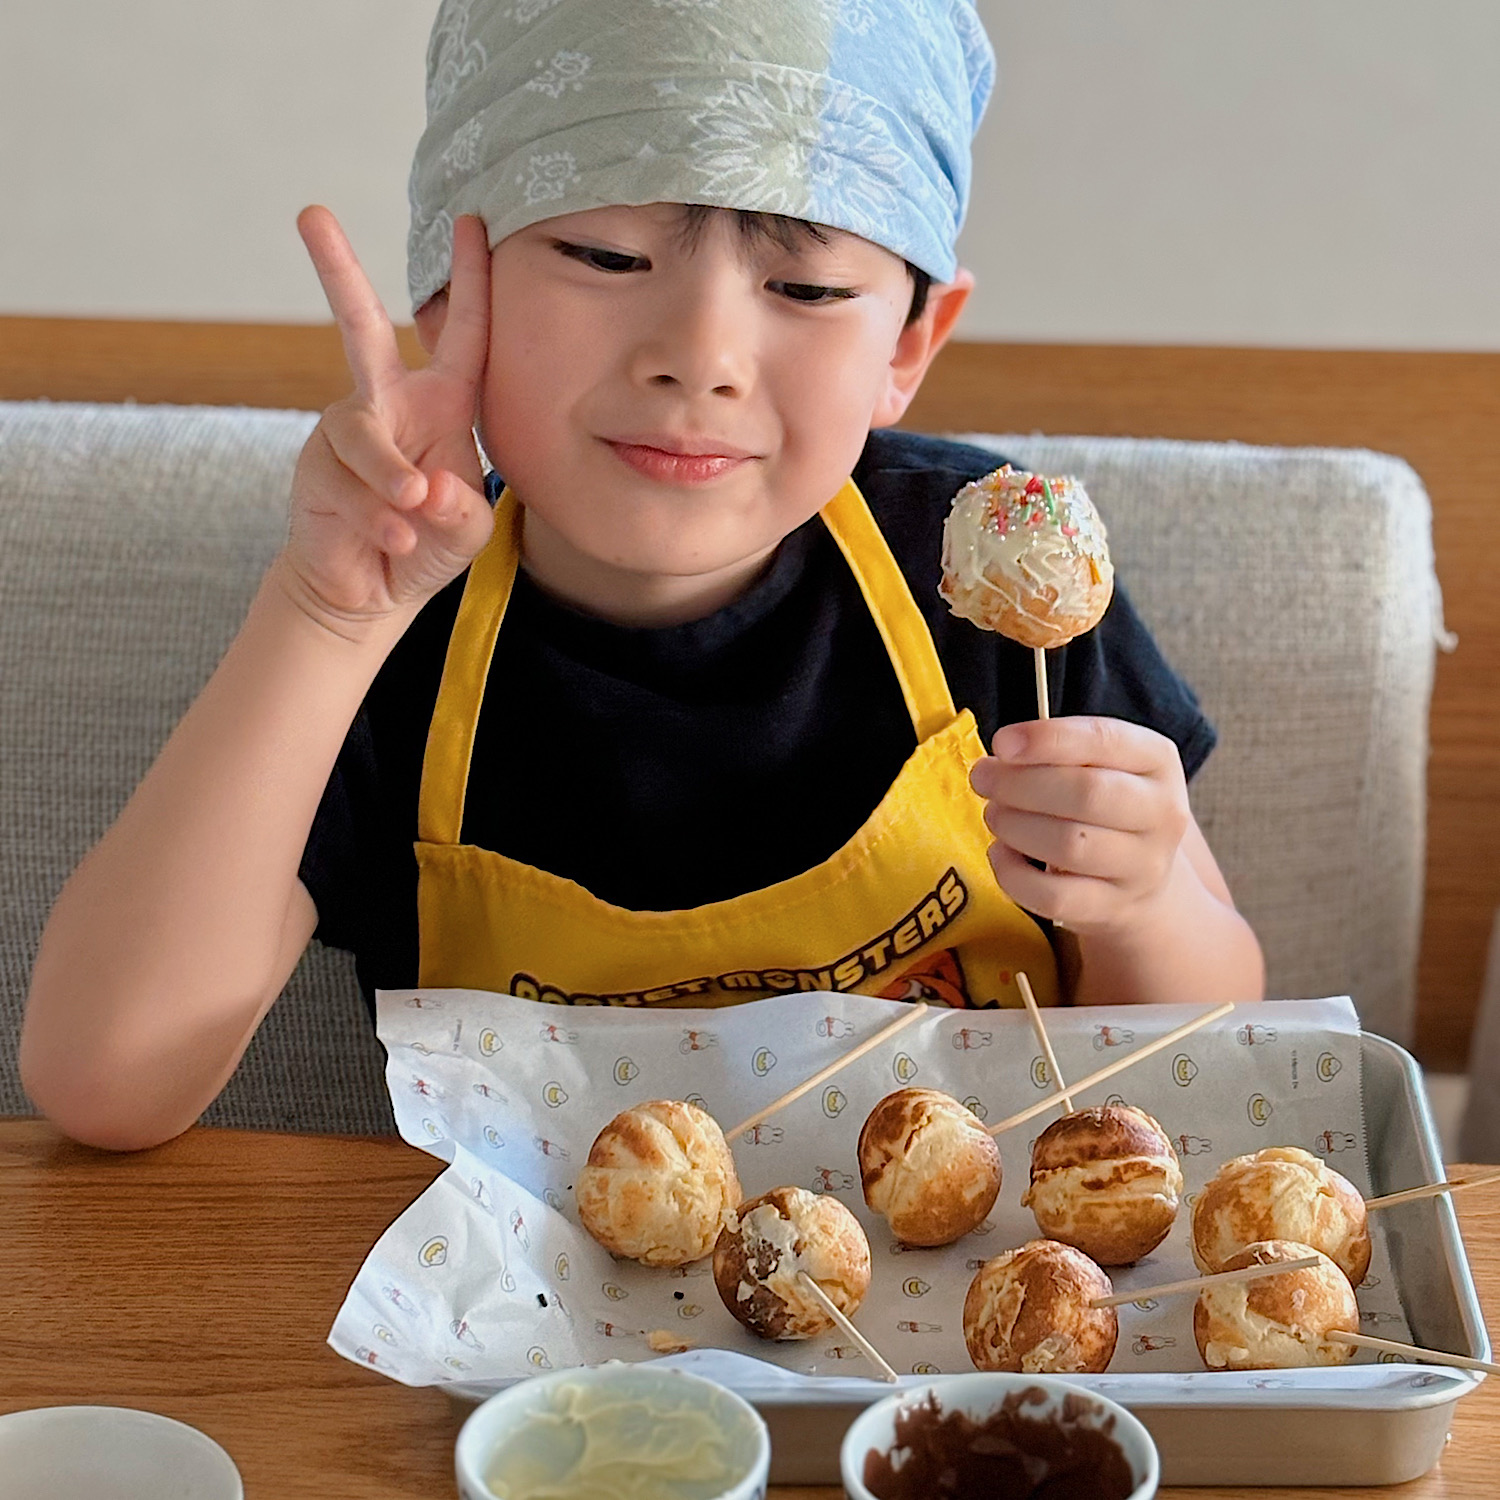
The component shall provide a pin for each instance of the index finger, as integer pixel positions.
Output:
(369, 339)
(1085, 740)
(465, 337)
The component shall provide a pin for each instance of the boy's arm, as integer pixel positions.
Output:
(178, 930)
(1146, 913)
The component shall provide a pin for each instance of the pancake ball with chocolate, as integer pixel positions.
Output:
(928, 1165)
(1106, 1181)
(772, 1239)
(659, 1184)
(1277, 1322)
(1282, 1193)
(1028, 1311)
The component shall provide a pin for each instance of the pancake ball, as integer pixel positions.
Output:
(769, 1241)
(1276, 1322)
(1281, 1194)
(1106, 1181)
(928, 1166)
(1028, 1311)
(1027, 556)
(659, 1184)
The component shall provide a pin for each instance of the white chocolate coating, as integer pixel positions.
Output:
(771, 1242)
(1030, 564)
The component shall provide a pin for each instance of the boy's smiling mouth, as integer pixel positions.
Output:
(679, 460)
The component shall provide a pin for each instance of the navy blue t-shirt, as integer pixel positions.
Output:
(666, 768)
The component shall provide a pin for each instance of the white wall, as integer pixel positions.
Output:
(1297, 172)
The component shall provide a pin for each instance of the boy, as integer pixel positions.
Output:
(713, 752)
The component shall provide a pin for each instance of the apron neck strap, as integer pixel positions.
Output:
(492, 575)
(455, 718)
(907, 639)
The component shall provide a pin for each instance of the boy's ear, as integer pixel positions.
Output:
(429, 318)
(918, 345)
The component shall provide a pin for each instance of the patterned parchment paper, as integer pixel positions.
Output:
(488, 1277)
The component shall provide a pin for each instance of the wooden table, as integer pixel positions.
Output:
(200, 1280)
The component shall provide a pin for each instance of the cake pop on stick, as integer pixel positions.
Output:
(1032, 1309)
(659, 1183)
(928, 1165)
(1277, 1322)
(1281, 1193)
(1107, 1181)
(835, 1312)
(1118, 1066)
(775, 1243)
(1028, 557)
(1104, 1180)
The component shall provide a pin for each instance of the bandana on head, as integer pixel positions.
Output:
(857, 114)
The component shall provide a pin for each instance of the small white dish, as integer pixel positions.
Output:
(110, 1453)
(982, 1395)
(533, 1418)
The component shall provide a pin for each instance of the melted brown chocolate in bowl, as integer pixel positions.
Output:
(1008, 1456)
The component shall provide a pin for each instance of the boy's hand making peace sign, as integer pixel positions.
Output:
(386, 499)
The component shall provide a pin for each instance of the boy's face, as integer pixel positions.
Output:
(669, 407)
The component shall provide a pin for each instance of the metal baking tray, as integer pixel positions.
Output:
(1295, 1427)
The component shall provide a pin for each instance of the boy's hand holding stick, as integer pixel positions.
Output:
(387, 505)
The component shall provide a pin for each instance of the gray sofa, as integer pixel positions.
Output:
(1294, 588)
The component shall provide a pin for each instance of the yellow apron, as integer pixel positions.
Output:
(907, 909)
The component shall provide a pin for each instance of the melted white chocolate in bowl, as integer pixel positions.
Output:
(598, 1441)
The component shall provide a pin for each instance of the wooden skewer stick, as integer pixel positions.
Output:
(1193, 1283)
(1034, 1011)
(1418, 1355)
(1430, 1190)
(833, 1310)
(1129, 1060)
(913, 1013)
(1039, 656)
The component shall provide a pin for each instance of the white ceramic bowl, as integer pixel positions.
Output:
(874, 1430)
(502, 1417)
(110, 1453)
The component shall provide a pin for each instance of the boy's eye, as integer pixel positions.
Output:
(806, 291)
(613, 261)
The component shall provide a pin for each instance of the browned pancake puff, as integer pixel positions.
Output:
(774, 1237)
(1028, 1311)
(659, 1184)
(1106, 1181)
(1276, 1322)
(928, 1166)
(1282, 1193)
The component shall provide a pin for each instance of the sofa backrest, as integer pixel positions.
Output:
(1293, 588)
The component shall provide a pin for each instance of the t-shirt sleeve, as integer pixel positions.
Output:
(358, 863)
(1117, 670)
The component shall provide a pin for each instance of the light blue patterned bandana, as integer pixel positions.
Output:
(857, 114)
